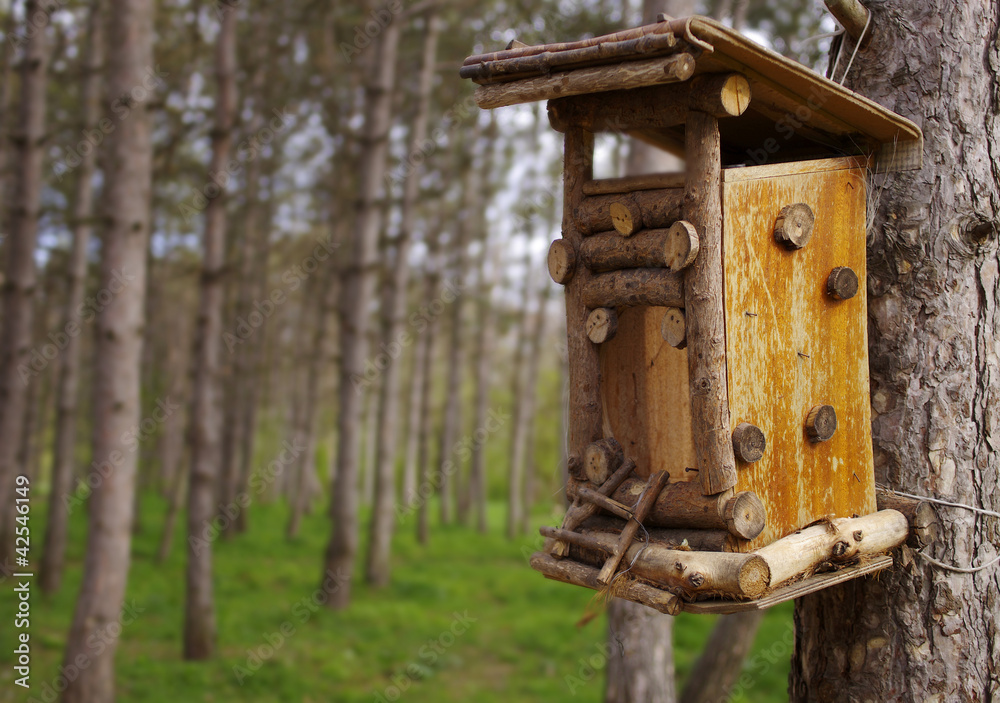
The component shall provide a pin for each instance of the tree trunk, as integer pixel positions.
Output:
(206, 419)
(515, 477)
(368, 450)
(118, 353)
(920, 632)
(534, 362)
(449, 463)
(20, 276)
(306, 432)
(377, 571)
(359, 284)
(67, 393)
(719, 666)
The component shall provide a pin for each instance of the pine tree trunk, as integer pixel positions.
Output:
(518, 435)
(206, 419)
(306, 432)
(486, 315)
(378, 568)
(118, 353)
(450, 463)
(67, 393)
(919, 632)
(358, 294)
(20, 276)
(534, 362)
(715, 673)
(424, 490)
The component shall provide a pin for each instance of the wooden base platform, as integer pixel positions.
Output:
(790, 592)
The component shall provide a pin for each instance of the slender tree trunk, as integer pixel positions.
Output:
(67, 393)
(534, 362)
(432, 286)
(206, 420)
(719, 666)
(306, 432)
(368, 451)
(118, 353)
(20, 276)
(486, 315)
(358, 295)
(394, 316)
(920, 632)
(515, 485)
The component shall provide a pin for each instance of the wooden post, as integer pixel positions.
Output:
(656, 483)
(703, 288)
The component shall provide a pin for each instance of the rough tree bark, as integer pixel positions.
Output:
(919, 632)
(206, 418)
(394, 316)
(94, 633)
(67, 392)
(20, 276)
(358, 294)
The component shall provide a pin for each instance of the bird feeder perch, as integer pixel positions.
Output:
(720, 425)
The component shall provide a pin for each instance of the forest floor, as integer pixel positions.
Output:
(464, 619)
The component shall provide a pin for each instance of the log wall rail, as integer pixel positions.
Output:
(631, 287)
(706, 327)
(657, 208)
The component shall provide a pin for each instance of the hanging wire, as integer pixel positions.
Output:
(857, 45)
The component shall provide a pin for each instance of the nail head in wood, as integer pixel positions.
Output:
(562, 261)
(821, 423)
(682, 245)
(602, 323)
(601, 459)
(626, 217)
(842, 283)
(673, 328)
(745, 515)
(748, 442)
(794, 225)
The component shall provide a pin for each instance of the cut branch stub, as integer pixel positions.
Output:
(562, 261)
(748, 442)
(602, 324)
(842, 283)
(626, 217)
(745, 515)
(821, 423)
(601, 459)
(646, 501)
(673, 328)
(682, 245)
(794, 225)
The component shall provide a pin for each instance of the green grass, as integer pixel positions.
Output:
(520, 642)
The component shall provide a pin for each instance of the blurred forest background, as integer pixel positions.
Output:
(348, 355)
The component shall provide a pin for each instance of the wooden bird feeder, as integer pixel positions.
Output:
(720, 429)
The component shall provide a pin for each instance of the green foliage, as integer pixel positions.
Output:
(518, 642)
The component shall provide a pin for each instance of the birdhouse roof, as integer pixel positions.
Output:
(794, 113)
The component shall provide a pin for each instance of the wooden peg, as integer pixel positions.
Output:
(602, 324)
(601, 459)
(842, 283)
(673, 329)
(646, 501)
(745, 515)
(561, 261)
(748, 442)
(821, 423)
(626, 217)
(794, 225)
(682, 245)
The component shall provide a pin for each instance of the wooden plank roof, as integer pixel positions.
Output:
(794, 112)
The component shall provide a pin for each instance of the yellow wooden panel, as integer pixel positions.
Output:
(790, 346)
(644, 388)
